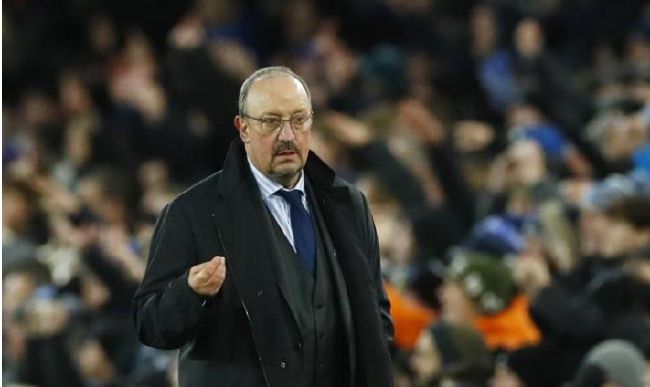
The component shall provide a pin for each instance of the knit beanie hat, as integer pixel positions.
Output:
(497, 235)
(462, 350)
(620, 361)
(486, 280)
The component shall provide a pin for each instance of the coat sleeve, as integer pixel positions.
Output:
(382, 302)
(166, 310)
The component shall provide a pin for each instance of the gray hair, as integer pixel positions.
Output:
(263, 72)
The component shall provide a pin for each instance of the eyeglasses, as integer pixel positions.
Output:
(269, 125)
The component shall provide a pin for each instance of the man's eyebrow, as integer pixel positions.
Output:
(276, 114)
(266, 114)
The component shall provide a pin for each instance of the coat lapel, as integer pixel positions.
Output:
(244, 223)
(338, 279)
(348, 231)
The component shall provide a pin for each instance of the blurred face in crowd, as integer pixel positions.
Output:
(526, 163)
(425, 361)
(624, 135)
(484, 30)
(74, 95)
(16, 211)
(93, 361)
(78, 146)
(16, 289)
(282, 153)
(302, 20)
(622, 238)
(457, 307)
(395, 237)
(523, 115)
(593, 227)
(153, 175)
(529, 38)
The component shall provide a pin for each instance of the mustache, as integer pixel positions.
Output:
(285, 146)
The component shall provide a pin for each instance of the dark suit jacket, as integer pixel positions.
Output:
(246, 335)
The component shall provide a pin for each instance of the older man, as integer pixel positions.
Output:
(267, 272)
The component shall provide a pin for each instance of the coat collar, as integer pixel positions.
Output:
(236, 171)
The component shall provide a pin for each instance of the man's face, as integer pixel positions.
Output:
(593, 230)
(622, 238)
(280, 155)
(457, 307)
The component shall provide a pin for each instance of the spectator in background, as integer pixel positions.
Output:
(34, 329)
(410, 318)
(18, 215)
(596, 300)
(480, 290)
(450, 354)
(612, 362)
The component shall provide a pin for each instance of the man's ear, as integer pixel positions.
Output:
(242, 128)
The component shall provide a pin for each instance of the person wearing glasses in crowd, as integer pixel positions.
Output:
(266, 273)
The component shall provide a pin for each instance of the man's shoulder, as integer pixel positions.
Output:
(343, 186)
(326, 180)
(199, 193)
(341, 183)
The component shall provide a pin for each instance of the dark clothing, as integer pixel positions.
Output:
(249, 334)
(394, 175)
(323, 341)
(458, 193)
(47, 363)
(111, 324)
(593, 302)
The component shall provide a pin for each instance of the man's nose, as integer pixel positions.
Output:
(286, 132)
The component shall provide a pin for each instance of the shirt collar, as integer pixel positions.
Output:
(269, 187)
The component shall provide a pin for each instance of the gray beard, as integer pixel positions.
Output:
(284, 177)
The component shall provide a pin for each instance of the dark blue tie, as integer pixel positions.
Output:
(303, 228)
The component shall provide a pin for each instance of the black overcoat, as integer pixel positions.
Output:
(246, 335)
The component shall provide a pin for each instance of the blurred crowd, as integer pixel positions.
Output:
(504, 147)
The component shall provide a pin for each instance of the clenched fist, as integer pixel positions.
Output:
(206, 278)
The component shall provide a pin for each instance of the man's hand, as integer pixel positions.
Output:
(206, 278)
(45, 318)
